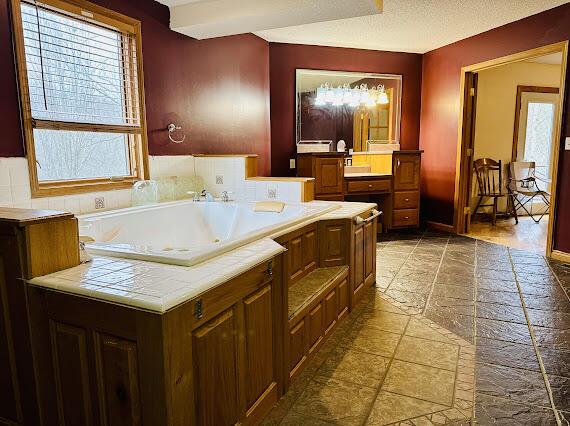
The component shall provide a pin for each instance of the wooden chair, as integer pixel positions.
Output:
(490, 181)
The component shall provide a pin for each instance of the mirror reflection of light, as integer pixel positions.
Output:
(353, 97)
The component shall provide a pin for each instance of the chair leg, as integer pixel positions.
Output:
(495, 211)
(514, 208)
(477, 206)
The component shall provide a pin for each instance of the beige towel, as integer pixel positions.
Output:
(269, 206)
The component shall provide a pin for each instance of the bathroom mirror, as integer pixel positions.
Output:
(363, 109)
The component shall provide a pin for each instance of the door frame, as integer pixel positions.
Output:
(466, 126)
(520, 91)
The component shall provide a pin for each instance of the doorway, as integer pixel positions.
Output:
(511, 114)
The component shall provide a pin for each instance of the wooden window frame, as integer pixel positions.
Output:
(137, 135)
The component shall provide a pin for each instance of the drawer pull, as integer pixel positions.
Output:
(406, 199)
(374, 214)
(406, 217)
(369, 186)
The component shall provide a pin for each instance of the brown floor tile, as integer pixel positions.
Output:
(555, 361)
(335, 401)
(391, 408)
(522, 269)
(462, 325)
(382, 320)
(500, 297)
(295, 419)
(496, 265)
(417, 328)
(355, 367)
(428, 352)
(552, 337)
(546, 302)
(497, 285)
(380, 303)
(453, 291)
(415, 301)
(553, 319)
(370, 340)
(407, 284)
(500, 330)
(498, 411)
(455, 279)
(512, 383)
(453, 306)
(419, 381)
(495, 274)
(501, 312)
(560, 387)
(541, 288)
(506, 353)
(450, 267)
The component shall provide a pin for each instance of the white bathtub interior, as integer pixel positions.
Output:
(185, 232)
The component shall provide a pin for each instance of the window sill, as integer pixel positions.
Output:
(55, 189)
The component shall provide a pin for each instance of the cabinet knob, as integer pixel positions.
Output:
(406, 199)
(406, 217)
(370, 186)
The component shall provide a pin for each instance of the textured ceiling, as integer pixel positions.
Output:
(412, 25)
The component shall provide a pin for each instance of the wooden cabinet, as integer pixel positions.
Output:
(328, 171)
(302, 252)
(362, 257)
(406, 167)
(366, 185)
(99, 363)
(32, 243)
(333, 243)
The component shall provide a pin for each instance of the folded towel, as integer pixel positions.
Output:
(269, 206)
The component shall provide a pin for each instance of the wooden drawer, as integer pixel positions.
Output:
(405, 217)
(406, 200)
(368, 186)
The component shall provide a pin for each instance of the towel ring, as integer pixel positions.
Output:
(171, 129)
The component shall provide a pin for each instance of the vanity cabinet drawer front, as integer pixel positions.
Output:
(407, 217)
(406, 200)
(368, 186)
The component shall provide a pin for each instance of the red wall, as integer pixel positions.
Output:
(440, 109)
(285, 58)
(218, 89)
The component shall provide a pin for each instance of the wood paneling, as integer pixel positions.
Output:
(333, 243)
(406, 172)
(302, 252)
(297, 346)
(358, 264)
(330, 303)
(343, 298)
(295, 258)
(329, 175)
(315, 326)
(71, 373)
(117, 368)
(216, 381)
(370, 253)
(259, 344)
(310, 250)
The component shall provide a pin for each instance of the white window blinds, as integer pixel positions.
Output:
(79, 71)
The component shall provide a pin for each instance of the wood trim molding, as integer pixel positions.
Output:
(520, 91)
(440, 226)
(560, 255)
(562, 47)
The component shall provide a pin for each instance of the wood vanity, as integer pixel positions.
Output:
(223, 357)
(396, 191)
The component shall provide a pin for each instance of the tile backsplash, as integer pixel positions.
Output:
(218, 174)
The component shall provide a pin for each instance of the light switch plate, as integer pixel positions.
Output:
(291, 163)
(567, 144)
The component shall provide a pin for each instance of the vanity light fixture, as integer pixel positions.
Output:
(353, 97)
(382, 95)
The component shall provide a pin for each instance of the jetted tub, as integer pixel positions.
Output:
(186, 232)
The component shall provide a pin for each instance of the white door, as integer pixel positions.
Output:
(537, 123)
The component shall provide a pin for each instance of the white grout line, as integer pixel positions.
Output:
(535, 345)
(436, 274)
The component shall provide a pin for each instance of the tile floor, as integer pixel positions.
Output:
(453, 320)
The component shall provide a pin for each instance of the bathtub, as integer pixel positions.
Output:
(186, 232)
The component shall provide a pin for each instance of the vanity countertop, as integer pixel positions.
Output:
(366, 174)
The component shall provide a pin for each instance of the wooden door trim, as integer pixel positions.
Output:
(459, 202)
(518, 105)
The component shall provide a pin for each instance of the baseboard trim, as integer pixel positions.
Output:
(560, 255)
(440, 226)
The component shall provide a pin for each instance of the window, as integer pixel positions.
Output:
(82, 96)
(539, 135)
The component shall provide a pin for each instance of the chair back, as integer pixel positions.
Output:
(522, 176)
(489, 176)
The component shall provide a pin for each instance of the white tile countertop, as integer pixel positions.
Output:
(155, 286)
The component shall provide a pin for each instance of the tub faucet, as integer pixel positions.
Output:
(207, 196)
(226, 196)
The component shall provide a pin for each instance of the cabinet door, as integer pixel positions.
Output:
(315, 331)
(406, 172)
(333, 243)
(295, 256)
(215, 371)
(297, 346)
(329, 175)
(369, 252)
(358, 265)
(310, 250)
(331, 310)
(343, 298)
(260, 375)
